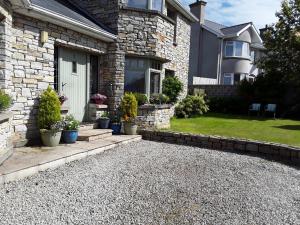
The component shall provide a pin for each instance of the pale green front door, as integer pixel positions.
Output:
(73, 80)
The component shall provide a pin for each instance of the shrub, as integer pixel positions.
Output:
(192, 105)
(71, 123)
(129, 107)
(49, 109)
(5, 101)
(141, 98)
(172, 87)
(232, 105)
(159, 99)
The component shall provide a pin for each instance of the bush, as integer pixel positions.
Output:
(49, 109)
(159, 99)
(232, 105)
(141, 98)
(172, 87)
(192, 105)
(71, 123)
(5, 101)
(129, 107)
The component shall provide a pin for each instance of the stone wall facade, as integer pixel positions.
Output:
(154, 117)
(215, 90)
(29, 67)
(276, 151)
(6, 134)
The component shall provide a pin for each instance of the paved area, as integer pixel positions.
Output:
(155, 183)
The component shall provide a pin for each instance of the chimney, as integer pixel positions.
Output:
(198, 9)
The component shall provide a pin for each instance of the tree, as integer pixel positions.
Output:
(282, 41)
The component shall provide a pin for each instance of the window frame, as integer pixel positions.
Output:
(231, 75)
(150, 5)
(234, 44)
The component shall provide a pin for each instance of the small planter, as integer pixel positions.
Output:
(116, 127)
(103, 123)
(70, 136)
(50, 138)
(130, 128)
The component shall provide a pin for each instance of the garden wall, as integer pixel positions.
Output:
(154, 116)
(280, 152)
(216, 90)
(6, 132)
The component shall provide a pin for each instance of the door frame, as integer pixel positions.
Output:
(87, 76)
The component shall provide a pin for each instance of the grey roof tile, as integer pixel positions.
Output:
(69, 10)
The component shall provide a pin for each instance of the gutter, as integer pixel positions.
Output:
(50, 16)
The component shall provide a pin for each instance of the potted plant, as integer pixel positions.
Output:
(49, 118)
(129, 110)
(70, 132)
(116, 124)
(99, 99)
(104, 121)
(62, 99)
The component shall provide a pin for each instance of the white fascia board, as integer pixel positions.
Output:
(177, 5)
(55, 18)
(244, 29)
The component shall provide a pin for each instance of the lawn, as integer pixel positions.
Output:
(255, 128)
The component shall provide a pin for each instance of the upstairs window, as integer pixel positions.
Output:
(156, 5)
(237, 49)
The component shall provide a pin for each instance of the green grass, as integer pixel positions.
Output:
(262, 129)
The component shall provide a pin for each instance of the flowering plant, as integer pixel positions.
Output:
(58, 126)
(71, 123)
(62, 98)
(98, 99)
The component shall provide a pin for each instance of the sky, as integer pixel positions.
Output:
(232, 12)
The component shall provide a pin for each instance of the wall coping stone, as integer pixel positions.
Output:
(279, 151)
(153, 106)
(5, 116)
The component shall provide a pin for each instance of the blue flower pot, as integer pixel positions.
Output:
(70, 136)
(116, 127)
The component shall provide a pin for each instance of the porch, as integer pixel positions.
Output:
(28, 161)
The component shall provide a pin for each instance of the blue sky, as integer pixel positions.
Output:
(231, 12)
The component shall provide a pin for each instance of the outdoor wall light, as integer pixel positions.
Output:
(44, 37)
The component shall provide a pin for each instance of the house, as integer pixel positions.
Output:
(222, 55)
(85, 47)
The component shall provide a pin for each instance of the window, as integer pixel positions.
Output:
(142, 75)
(169, 73)
(237, 49)
(143, 4)
(228, 79)
(74, 67)
(94, 75)
(146, 4)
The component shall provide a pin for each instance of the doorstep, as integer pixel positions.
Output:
(28, 161)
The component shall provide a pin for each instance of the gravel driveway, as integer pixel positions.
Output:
(155, 183)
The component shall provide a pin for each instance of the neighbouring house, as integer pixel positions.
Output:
(85, 47)
(222, 55)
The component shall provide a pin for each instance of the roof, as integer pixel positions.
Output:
(231, 31)
(68, 9)
(177, 5)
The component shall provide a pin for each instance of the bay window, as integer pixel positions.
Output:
(234, 78)
(237, 49)
(156, 5)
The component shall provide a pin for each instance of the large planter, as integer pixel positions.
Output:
(70, 136)
(50, 138)
(130, 128)
(103, 123)
(116, 127)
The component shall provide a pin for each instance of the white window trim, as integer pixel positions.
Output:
(234, 43)
(231, 75)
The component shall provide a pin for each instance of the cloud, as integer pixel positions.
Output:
(231, 12)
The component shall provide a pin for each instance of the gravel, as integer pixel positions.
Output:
(155, 183)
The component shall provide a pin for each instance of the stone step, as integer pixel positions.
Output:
(88, 126)
(95, 134)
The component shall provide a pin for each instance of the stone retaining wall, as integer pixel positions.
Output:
(216, 90)
(154, 116)
(279, 151)
(6, 133)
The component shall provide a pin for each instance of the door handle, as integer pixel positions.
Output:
(63, 85)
